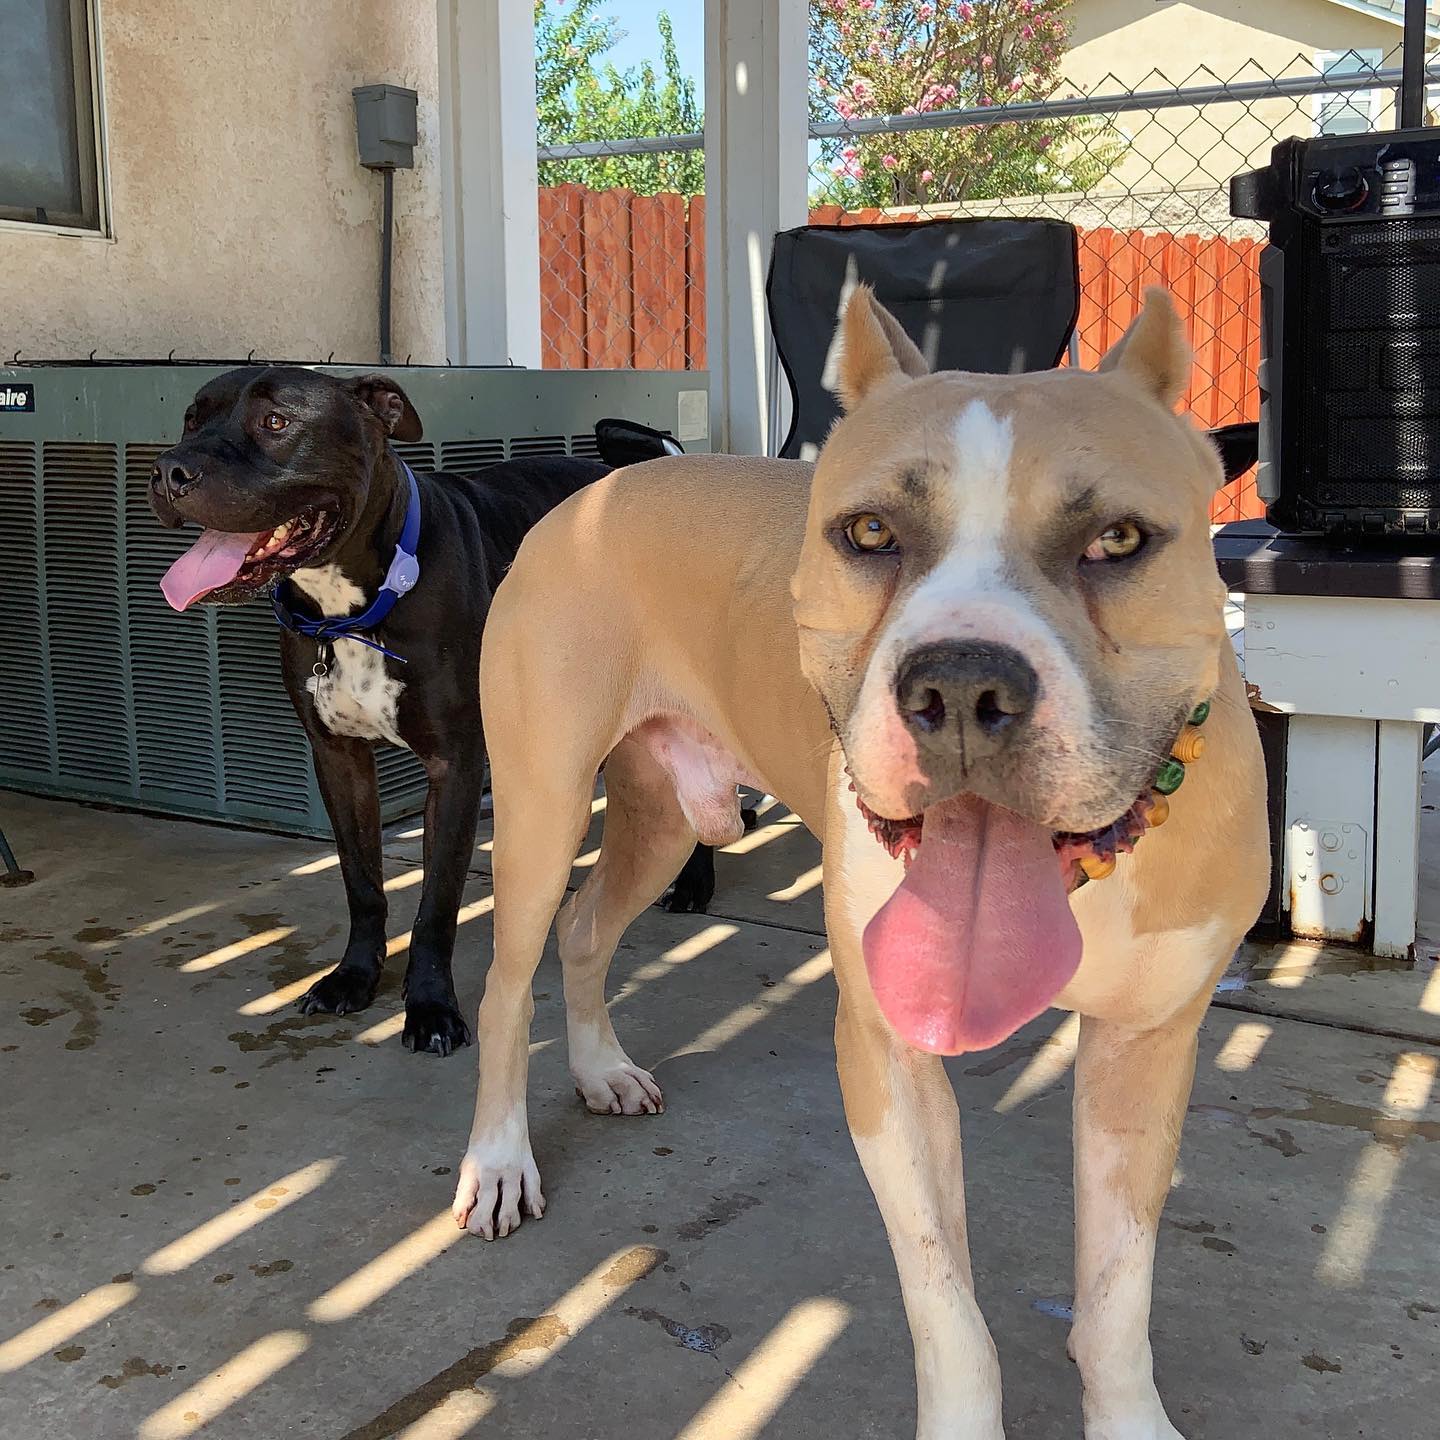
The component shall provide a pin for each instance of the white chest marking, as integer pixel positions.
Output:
(356, 696)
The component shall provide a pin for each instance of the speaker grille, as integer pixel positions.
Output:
(1366, 433)
(1383, 448)
(1380, 495)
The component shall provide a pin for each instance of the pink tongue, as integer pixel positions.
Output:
(979, 937)
(212, 561)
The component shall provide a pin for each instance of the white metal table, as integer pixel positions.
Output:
(1345, 642)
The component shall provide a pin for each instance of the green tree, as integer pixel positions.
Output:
(900, 57)
(580, 98)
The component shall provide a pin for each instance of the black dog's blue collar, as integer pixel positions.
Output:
(404, 571)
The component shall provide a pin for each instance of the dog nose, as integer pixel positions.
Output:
(974, 695)
(174, 477)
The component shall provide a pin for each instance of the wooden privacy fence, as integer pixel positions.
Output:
(1216, 285)
(623, 286)
(622, 280)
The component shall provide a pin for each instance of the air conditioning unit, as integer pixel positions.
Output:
(105, 693)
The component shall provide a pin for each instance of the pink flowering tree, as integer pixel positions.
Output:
(907, 57)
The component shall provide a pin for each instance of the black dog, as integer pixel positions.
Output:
(292, 474)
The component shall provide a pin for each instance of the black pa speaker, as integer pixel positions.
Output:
(1350, 332)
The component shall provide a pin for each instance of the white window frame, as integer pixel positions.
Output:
(94, 171)
(1343, 62)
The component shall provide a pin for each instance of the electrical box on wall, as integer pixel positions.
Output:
(386, 127)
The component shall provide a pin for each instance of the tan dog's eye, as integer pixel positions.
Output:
(871, 534)
(1118, 542)
(275, 421)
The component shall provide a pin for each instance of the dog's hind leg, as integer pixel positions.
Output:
(1131, 1090)
(694, 886)
(647, 839)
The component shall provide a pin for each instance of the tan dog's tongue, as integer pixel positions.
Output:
(979, 937)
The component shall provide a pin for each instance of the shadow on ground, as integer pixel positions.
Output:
(220, 1215)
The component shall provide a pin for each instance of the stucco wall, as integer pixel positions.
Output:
(1124, 44)
(241, 219)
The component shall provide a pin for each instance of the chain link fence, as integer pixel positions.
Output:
(1142, 170)
(622, 254)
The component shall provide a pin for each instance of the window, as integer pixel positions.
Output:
(1348, 112)
(49, 160)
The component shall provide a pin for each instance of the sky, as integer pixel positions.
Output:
(642, 37)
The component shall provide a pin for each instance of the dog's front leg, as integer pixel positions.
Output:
(537, 821)
(906, 1127)
(345, 769)
(1131, 1090)
(433, 1022)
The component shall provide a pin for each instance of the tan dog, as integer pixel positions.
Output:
(1007, 603)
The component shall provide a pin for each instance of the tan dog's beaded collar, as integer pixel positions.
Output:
(1088, 856)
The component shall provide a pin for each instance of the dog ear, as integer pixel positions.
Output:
(874, 350)
(382, 395)
(1154, 351)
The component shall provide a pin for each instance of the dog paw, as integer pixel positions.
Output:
(1139, 1429)
(498, 1183)
(434, 1027)
(1140, 1421)
(340, 992)
(692, 892)
(619, 1089)
(685, 900)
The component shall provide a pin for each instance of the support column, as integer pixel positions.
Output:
(756, 182)
(1398, 762)
(1330, 839)
(489, 205)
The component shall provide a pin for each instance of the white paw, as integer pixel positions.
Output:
(1149, 1426)
(619, 1088)
(498, 1182)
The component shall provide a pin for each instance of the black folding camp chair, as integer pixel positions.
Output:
(11, 873)
(988, 295)
(992, 295)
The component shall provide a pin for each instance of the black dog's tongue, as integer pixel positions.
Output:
(212, 561)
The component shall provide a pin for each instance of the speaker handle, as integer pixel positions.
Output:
(1252, 195)
(1269, 371)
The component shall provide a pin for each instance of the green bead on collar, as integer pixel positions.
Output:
(1170, 778)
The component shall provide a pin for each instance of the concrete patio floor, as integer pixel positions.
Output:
(217, 1215)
